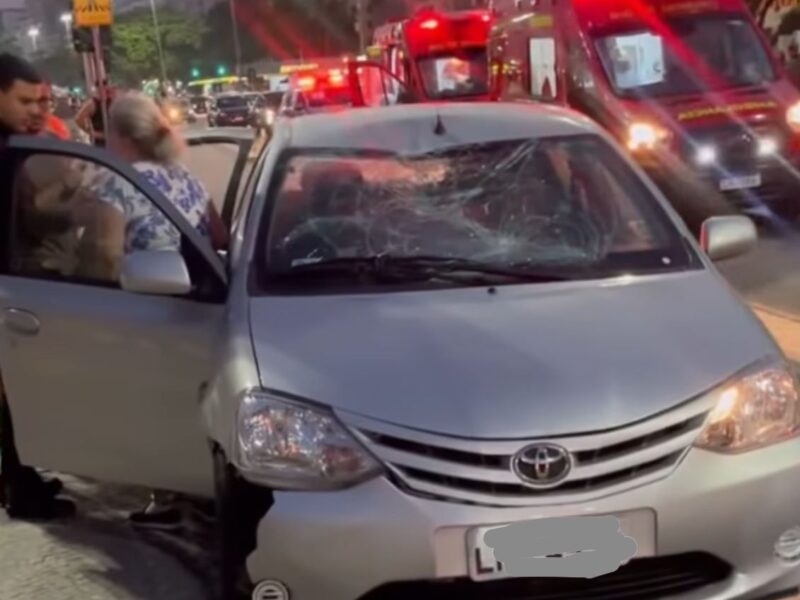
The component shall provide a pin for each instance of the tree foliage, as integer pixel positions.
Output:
(134, 53)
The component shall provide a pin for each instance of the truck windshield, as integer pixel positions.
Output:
(232, 102)
(643, 64)
(455, 75)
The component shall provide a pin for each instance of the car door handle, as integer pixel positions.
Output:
(21, 321)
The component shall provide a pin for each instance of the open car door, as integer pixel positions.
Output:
(373, 84)
(223, 162)
(101, 382)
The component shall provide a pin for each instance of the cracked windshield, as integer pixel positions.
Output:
(399, 299)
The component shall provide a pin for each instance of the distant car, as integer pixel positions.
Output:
(265, 110)
(229, 110)
(199, 105)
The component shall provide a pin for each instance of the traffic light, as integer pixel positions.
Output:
(195, 73)
(82, 39)
(222, 70)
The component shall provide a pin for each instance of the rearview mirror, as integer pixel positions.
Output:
(157, 272)
(727, 237)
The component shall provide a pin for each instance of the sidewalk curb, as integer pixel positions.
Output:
(774, 312)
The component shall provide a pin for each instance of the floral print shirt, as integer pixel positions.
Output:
(146, 227)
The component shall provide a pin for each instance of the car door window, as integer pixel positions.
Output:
(74, 219)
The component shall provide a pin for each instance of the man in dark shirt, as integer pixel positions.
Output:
(19, 95)
(22, 491)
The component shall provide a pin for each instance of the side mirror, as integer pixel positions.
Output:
(727, 237)
(161, 273)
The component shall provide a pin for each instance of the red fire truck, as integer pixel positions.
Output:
(695, 79)
(437, 55)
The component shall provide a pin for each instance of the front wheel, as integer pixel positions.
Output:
(240, 506)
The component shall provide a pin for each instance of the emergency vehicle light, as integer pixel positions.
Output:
(307, 83)
(429, 24)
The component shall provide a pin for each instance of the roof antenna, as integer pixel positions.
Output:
(439, 129)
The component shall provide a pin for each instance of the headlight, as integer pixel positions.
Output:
(645, 136)
(767, 146)
(793, 116)
(706, 155)
(760, 408)
(289, 445)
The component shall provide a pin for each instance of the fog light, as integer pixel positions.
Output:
(706, 155)
(767, 146)
(271, 590)
(788, 545)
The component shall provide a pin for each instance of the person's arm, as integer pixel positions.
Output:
(84, 116)
(216, 229)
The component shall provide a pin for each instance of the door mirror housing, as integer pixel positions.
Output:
(156, 272)
(727, 237)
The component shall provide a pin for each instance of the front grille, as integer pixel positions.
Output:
(736, 146)
(481, 471)
(640, 579)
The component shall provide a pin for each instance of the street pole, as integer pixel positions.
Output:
(362, 25)
(237, 48)
(158, 43)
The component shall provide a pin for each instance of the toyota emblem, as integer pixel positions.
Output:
(542, 465)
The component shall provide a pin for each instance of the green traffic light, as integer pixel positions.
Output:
(221, 70)
(195, 73)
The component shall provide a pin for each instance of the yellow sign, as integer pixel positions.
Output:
(709, 111)
(92, 13)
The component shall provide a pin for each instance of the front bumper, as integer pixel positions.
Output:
(344, 545)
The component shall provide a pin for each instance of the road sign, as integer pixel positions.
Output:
(92, 13)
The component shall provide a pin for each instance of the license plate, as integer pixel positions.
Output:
(483, 566)
(739, 183)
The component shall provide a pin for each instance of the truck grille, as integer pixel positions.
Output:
(480, 471)
(640, 579)
(736, 146)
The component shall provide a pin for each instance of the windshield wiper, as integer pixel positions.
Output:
(415, 268)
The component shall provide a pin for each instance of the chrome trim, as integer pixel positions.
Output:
(480, 471)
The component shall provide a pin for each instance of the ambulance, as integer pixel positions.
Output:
(437, 55)
(692, 79)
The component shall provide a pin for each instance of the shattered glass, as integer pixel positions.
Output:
(569, 203)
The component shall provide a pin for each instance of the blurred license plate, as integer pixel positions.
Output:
(639, 525)
(739, 183)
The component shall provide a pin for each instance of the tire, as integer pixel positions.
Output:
(240, 506)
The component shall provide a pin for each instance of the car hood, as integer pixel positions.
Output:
(523, 361)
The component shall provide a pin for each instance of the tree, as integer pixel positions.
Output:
(134, 53)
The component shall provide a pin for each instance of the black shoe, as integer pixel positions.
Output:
(36, 508)
(161, 517)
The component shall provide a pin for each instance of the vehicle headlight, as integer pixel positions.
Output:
(767, 146)
(706, 155)
(793, 116)
(289, 445)
(645, 136)
(761, 407)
